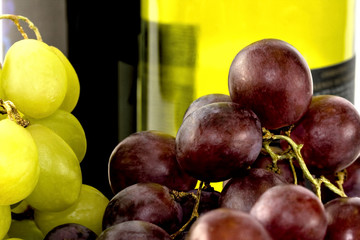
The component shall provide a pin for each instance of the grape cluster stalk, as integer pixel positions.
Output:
(195, 212)
(294, 152)
(16, 19)
(13, 114)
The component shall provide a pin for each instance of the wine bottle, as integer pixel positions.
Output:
(186, 48)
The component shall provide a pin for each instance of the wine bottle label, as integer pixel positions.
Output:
(337, 80)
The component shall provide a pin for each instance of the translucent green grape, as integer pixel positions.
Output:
(5, 220)
(73, 85)
(19, 166)
(34, 78)
(87, 211)
(67, 126)
(25, 229)
(2, 96)
(60, 174)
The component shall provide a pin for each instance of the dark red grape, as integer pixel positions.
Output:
(217, 141)
(284, 168)
(147, 156)
(205, 100)
(330, 132)
(343, 219)
(134, 230)
(227, 224)
(72, 231)
(242, 191)
(273, 79)
(352, 182)
(149, 202)
(291, 212)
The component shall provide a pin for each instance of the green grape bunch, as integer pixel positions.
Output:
(41, 143)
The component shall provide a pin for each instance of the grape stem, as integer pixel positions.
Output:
(16, 19)
(295, 153)
(195, 212)
(9, 108)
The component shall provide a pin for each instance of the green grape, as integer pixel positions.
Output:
(69, 128)
(20, 207)
(87, 211)
(2, 96)
(19, 166)
(60, 174)
(3, 116)
(5, 220)
(73, 84)
(34, 78)
(25, 229)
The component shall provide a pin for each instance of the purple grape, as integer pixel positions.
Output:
(205, 100)
(217, 141)
(149, 202)
(227, 224)
(352, 182)
(291, 212)
(72, 231)
(273, 79)
(134, 230)
(243, 191)
(343, 219)
(330, 132)
(147, 156)
(265, 161)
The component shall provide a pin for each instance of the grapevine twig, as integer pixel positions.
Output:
(296, 154)
(9, 108)
(293, 170)
(195, 212)
(16, 19)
